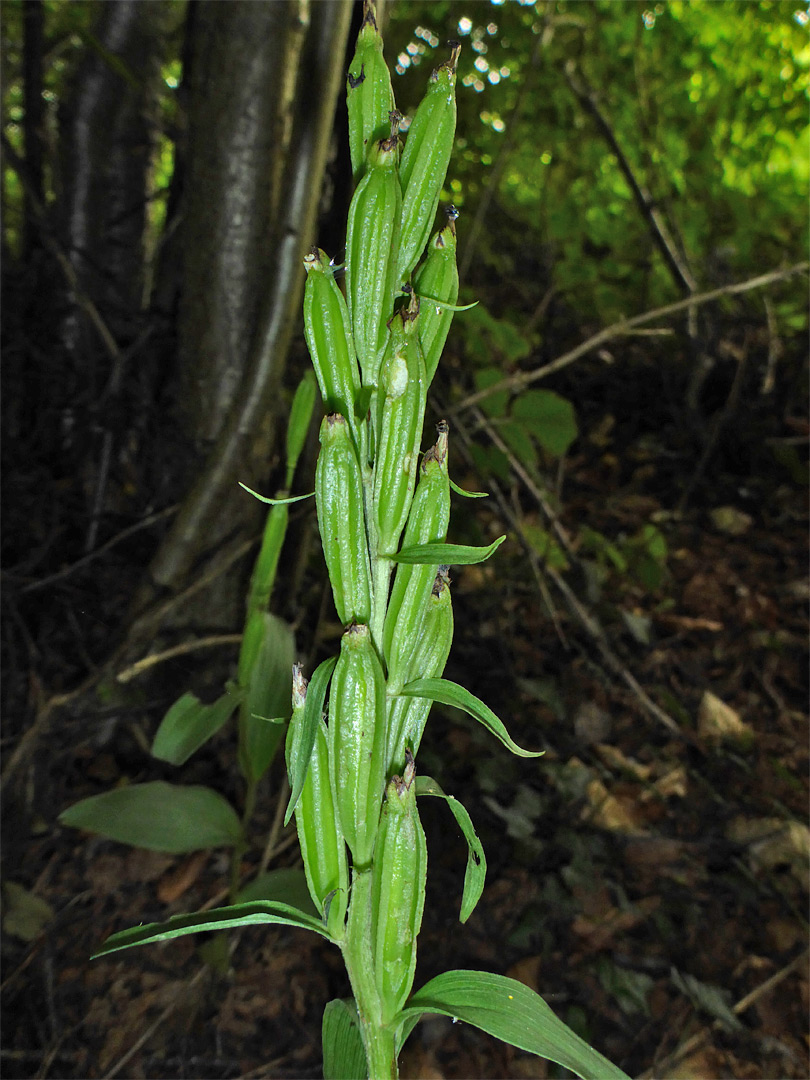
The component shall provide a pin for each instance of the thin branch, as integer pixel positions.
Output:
(520, 379)
(658, 227)
(140, 666)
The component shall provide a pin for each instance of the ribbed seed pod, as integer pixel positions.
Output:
(372, 243)
(425, 158)
(341, 520)
(357, 740)
(329, 337)
(401, 410)
(407, 716)
(398, 893)
(369, 97)
(437, 279)
(427, 523)
(322, 846)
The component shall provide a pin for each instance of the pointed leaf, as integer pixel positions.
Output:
(344, 1056)
(468, 494)
(275, 502)
(189, 724)
(313, 711)
(476, 871)
(513, 1013)
(449, 693)
(446, 554)
(158, 816)
(260, 912)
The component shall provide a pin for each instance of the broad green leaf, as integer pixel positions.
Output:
(258, 913)
(287, 885)
(549, 417)
(495, 404)
(446, 554)
(298, 424)
(449, 693)
(189, 724)
(344, 1056)
(476, 872)
(513, 1013)
(313, 711)
(269, 694)
(275, 502)
(469, 494)
(158, 816)
(517, 438)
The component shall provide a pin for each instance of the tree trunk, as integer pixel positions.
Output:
(264, 84)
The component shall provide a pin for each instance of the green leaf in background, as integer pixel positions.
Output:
(476, 871)
(344, 1056)
(158, 816)
(519, 441)
(264, 569)
(298, 424)
(269, 695)
(513, 1013)
(496, 404)
(258, 913)
(550, 419)
(189, 724)
(25, 915)
(446, 554)
(287, 885)
(450, 693)
(313, 710)
(544, 545)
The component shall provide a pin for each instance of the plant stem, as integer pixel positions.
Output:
(379, 1041)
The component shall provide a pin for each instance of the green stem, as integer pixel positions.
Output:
(379, 1040)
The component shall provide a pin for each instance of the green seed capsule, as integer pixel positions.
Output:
(398, 893)
(341, 520)
(437, 279)
(357, 739)
(329, 337)
(427, 524)
(372, 243)
(425, 159)
(322, 846)
(369, 97)
(407, 716)
(401, 409)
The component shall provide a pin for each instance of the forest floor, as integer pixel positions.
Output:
(650, 881)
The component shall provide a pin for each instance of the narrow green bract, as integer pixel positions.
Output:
(322, 846)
